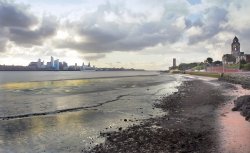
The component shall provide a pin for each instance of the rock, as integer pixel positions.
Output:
(243, 104)
(234, 109)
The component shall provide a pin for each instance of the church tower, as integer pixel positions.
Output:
(235, 47)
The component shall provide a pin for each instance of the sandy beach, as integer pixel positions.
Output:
(198, 120)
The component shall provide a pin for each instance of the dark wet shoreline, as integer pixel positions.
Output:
(190, 125)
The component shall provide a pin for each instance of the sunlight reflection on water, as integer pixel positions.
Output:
(128, 98)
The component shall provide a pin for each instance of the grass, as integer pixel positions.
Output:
(232, 66)
(207, 74)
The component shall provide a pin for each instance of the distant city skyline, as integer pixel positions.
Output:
(142, 34)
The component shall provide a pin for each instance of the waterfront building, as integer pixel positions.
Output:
(75, 66)
(65, 66)
(33, 64)
(52, 62)
(174, 62)
(235, 47)
(48, 65)
(87, 67)
(56, 65)
(39, 63)
(236, 55)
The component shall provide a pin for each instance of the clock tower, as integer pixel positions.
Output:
(235, 51)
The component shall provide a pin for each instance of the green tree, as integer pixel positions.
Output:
(217, 63)
(186, 66)
(209, 60)
(229, 58)
(247, 66)
(243, 61)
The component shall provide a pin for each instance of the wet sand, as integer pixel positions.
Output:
(234, 130)
(198, 120)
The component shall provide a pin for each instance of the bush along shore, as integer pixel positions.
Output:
(241, 79)
(189, 125)
(242, 104)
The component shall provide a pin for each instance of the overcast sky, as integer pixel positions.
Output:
(121, 33)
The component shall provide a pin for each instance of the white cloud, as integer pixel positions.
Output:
(122, 31)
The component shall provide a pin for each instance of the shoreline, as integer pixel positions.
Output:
(190, 125)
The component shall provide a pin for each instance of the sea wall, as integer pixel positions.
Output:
(237, 78)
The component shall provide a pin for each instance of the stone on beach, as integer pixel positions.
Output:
(243, 104)
(184, 129)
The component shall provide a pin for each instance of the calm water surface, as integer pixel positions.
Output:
(66, 111)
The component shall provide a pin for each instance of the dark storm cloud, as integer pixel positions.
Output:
(94, 57)
(27, 37)
(99, 40)
(107, 36)
(16, 24)
(210, 25)
(3, 38)
(12, 15)
(3, 42)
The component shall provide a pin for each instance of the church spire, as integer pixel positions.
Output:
(235, 39)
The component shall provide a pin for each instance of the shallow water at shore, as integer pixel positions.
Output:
(68, 115)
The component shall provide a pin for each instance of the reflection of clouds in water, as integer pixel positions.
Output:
(71, 131)
(44, 84)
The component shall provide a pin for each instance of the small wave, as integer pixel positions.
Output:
(60, 111)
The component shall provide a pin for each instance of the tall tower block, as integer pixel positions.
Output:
(174, 62)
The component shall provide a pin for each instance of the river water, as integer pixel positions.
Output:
(66, 111)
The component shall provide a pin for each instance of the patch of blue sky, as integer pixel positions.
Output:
(194, 17)
(194, 2)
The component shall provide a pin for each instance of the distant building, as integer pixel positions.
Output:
(174, 62)
(87, 67)
(235, 47)
(51, 62)
(236, 55)
(37, 65)
(56, 65)
(48, 65)
(33, 64)
(65, 66)
(75, 66)
(228, 59)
